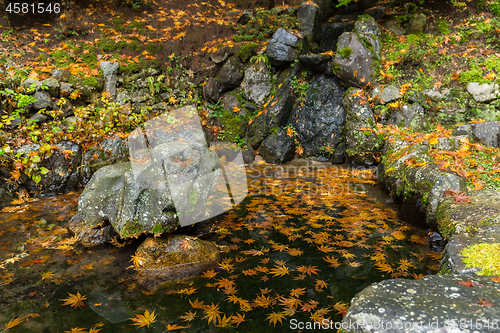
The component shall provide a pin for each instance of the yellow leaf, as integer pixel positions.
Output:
(433, 141)
(74, 300)
(13, 322)
(144, 320)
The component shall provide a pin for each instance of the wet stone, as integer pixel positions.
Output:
(426, 305)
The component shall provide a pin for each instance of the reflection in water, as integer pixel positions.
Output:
(299, 247)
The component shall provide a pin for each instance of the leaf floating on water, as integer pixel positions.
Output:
(75, 300)
(144, 320)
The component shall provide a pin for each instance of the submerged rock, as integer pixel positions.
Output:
(89, 236)
(431, 304)
(174, 258)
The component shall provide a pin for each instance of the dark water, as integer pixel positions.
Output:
(302, 244)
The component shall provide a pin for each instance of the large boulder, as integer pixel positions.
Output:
(256, 85)
(285, 46)
(361, 137)
(353, 62)
(278, 148)
(277, 113)
(450, 303)
(142, 201)
(320, 120)
(310, 21)
(30, 86)
(174, 258)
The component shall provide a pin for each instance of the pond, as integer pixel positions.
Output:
(308, 237)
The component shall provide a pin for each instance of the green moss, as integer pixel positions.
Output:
(345, 52)
(443, 26)
(158, 229)
(246, 51)
(130, 69)
(63, 57)
(91, 82)
(118, 23)
(484, 256)
(131, 229)
(473, 75)
(231, 124)
(445, 270)
(90, 59)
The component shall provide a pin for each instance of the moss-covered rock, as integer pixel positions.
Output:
(173, 258)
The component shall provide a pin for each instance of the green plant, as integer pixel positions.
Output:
(300, 87)
(345, 52)
(261, 58)
(216, 109)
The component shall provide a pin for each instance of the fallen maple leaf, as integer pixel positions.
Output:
(469, 283)
(485, 302)
(74, 300)
(144, 320)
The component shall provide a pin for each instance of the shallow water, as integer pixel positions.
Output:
(304, 242)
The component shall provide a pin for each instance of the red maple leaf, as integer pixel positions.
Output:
(469, 283)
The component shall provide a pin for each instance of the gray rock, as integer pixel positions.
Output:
(377, 13)
(27, 86)
(393, 25)
(325, 8)
(368, 30)
(486, 133)
(67, 108)
(39, 118)
(284, 47)
(66, 88)
(409, 115)
(430, 304)
(485, 92)
(110, 151)
(331, 31)
(230, 74)
(278, 148)
(139, 96)
(356, 69)
(53, 86)
(230, 101)
(64, 168)
(245, 17)
(310, 21)
(362, 145)
(88, 236)
(482, 213)
(462, 130)
(452, 143)
(319, 122)
(26, 149)
(256, 84)
(436, 95)
(61, 74)
(417, 24)
(122, 98)
(137, 202)
(278, 110)
(110, 71)
(315, 62)
(386, 94)
(211, 90)
(42, 100)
